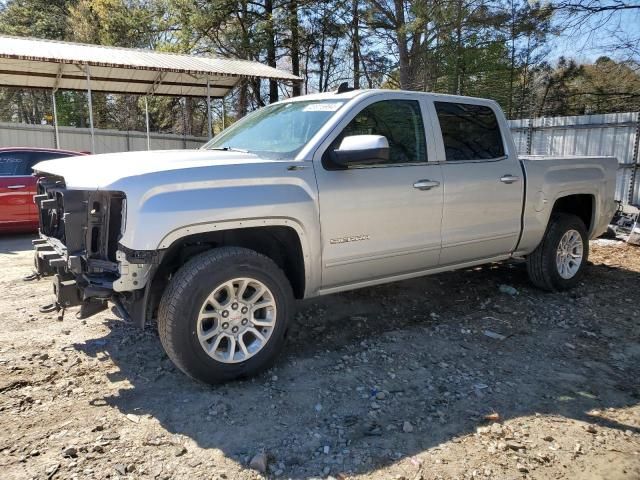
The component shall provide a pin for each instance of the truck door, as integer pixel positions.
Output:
(380, 220)
(484, 184)
(15, 190)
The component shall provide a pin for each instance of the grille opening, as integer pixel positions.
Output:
(95, 239)
(115, 225)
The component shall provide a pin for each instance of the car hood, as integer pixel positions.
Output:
(106, 171)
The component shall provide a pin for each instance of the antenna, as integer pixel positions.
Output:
(344, 87)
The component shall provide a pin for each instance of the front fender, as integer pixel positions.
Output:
(164, 216)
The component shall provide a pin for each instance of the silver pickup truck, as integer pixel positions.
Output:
(309, 196)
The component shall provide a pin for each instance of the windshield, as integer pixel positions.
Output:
(278, 131)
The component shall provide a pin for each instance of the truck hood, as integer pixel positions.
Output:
(106, 171)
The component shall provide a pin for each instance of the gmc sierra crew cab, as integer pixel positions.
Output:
(309, 196)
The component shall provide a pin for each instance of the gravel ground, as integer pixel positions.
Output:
(470, 374)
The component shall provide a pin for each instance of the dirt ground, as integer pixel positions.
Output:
(404, 381)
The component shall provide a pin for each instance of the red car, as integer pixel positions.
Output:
(18, 213)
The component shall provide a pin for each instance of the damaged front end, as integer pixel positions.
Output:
(78, 246)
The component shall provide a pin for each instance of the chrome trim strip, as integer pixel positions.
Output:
(485, 160)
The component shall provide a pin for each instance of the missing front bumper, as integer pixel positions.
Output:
(86, 283)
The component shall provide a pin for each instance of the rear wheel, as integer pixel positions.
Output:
(559, 261)
(224, 314)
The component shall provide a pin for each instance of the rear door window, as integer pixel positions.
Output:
(469, 132)
(14, 164)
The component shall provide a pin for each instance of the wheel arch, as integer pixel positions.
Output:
(582, 205)
(283, 241)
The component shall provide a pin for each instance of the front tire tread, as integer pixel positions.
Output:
(172, 331)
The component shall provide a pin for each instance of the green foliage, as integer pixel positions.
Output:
(35, 18)
(131, 23)
(605, 86)
(487, 48)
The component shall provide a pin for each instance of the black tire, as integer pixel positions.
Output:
(541, 263)
(185, 295)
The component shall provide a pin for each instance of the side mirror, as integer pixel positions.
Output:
(362, 150)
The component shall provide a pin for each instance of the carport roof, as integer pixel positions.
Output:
(35, 63)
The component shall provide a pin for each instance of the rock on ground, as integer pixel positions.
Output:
(395, 381)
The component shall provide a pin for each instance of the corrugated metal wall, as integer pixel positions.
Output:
(23, 135)
(614, 134)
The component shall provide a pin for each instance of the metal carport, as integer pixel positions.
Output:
(56, 65)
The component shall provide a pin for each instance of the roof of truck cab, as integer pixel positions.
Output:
(372, 91)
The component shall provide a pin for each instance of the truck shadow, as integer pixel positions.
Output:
(422, 343)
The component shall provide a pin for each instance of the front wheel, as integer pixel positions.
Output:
(224, 314)
(559, 261)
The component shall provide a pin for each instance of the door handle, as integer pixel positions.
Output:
(426, 184)
(15, 187)
(509, 179)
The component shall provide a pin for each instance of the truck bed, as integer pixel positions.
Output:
(549, 177)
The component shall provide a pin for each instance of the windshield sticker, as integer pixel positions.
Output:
(322, 107)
